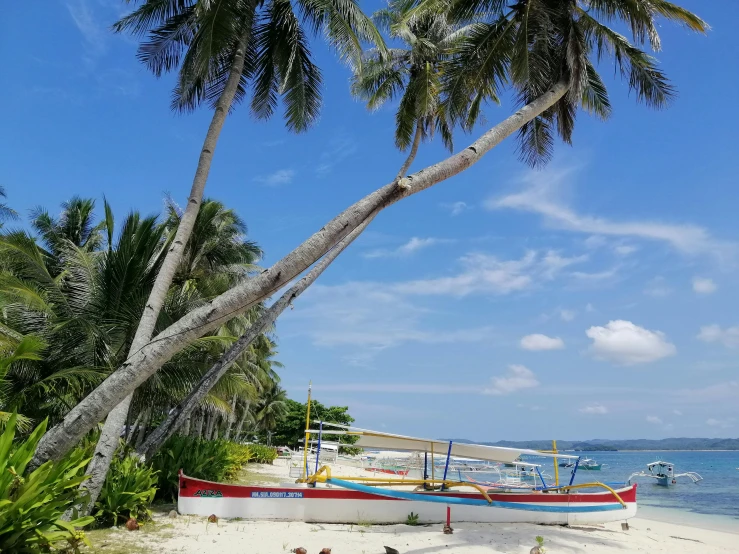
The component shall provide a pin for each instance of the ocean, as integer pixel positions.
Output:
(716, 495)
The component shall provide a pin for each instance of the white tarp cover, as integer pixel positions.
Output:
(373, 440)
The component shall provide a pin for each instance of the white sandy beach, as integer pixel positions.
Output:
(194, 535)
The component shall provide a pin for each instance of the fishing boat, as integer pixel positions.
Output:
(587, 464)
(664, 474)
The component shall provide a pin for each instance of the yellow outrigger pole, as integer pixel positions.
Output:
(307, 435)
(556, 465)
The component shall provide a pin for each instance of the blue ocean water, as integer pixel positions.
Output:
(717, 494)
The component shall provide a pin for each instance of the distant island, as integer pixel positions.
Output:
(601, 445)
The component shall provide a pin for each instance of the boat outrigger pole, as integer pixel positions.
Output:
(307, 435)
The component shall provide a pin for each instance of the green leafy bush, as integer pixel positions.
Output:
(218, 460)
(31, 506)
(262, 454)
(128, 491)
(209, 460)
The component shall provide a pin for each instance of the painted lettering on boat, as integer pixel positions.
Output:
(281, 494)
(208, 493)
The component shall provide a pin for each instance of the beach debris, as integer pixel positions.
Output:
(448, 530)
(132, 524)
(625, 526)
(390, 550)
(300, 550)
(325, 551)
(212, 518)
(173, 513)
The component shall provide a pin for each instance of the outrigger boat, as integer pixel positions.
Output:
(664, 474)
(321, 497)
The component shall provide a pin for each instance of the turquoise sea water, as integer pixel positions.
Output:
(717, 494)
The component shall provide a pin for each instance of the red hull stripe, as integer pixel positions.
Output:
(196, 488)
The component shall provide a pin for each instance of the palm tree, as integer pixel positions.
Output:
(271, 409)
(493, 69)
(75, 225)
(536, 46)
(6, 212)
(414, 74)
(220, 46)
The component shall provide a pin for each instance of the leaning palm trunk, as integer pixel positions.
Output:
(242, 420)
(182, 411)
(143, 363)
(106, 445)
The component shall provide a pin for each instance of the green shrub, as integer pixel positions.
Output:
(218, 460)
(263, 454)
(201, 459)
(31, 506)
(128, 491)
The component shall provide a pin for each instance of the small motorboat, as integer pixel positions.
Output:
(664, 474)
(584, 463)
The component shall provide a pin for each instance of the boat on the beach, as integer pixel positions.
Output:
(664, 474)
(322, 497)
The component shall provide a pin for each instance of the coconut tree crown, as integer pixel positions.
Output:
(201, 38)
(530, 46)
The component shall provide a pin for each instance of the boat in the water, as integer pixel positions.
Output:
(587, 464)
(664, 474)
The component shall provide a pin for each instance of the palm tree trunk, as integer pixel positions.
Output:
(178, 415)
(199, 426)
(413, 152)
(143, 427)
(231, 418)
(209, 426)
(186, 427)
(242, 419)
(100, 462)
(143, 363)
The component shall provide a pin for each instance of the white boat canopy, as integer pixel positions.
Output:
(376, 440)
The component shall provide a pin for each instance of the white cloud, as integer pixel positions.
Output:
(625, 249)
(541, 342)
(624, 343)
(658, 288)
(654, 419)
(599, 276)
(566, 315)
(595, 409)
(703, 286)
(720, 423)
(541, 195)
(413, 245)
(729, 337)
(517, 378)
(456, 208)
(483, 273)
(589, 308)
(677, 412)
(370, 316)
(279, 177)
(86, 22)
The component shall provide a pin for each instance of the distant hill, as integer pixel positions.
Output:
(596, 445)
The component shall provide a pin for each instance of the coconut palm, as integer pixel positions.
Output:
(536, 46)
(220, 46)
(491, 70)
(271, 409)
(75, 225)
(413, 74)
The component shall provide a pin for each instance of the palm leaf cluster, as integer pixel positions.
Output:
(203, 39)
(72, 293)
(476, 50)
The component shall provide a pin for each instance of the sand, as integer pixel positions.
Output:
(194, 535)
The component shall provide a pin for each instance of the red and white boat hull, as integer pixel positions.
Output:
(323, 504)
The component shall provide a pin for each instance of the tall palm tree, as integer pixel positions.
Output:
(220, 46)
(75, 225)
(271, 409)
(492, 70)
(413, 73)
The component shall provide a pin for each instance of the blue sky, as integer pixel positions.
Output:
(595, 298)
